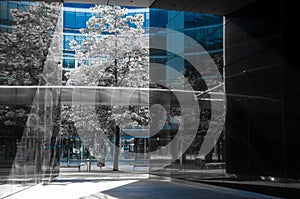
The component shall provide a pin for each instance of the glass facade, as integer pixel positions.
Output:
(41, 118)
(45, 140)
(205, 29)
(179, 51)
(30, 57)
(75, 17)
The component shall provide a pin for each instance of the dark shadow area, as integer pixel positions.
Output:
(149, 189)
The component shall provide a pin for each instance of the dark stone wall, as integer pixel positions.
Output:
(263, 91)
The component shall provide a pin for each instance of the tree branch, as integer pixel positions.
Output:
(13, 44)
(126, 70)
(33, 77)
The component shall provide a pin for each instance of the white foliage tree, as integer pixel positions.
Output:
(114, 53)
(23, 52)
(23, 56)
(24, 49)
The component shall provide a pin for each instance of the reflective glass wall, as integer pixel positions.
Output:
(54, 114)
(186, 138)
(261, 84)
(186, 52)
(30, 59)
(75, 17)
(261, 78)
(79, 142)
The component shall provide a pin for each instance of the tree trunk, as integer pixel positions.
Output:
(69, 148)
(116, 150)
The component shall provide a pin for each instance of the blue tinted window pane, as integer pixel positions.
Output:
(189, 21)
(64, 42)
(146, 23)
(23, 7)
(67, 40)
(11, 6)
(79, 39)
(78, 5)
(88, 16)
(69, 19)
(158, 18)
(3, 10)
(219, 34)
(80, 19)
(69, 63)
(189, 16)
(199, 35)
(190, 33)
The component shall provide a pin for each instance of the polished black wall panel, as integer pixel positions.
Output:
(291, 77)
(255, 128)
(292, 120)
(237, 135)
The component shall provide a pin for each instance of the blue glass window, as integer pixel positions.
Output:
(190, 33)
(69, 19)
(158, 18)
(23, 7)
(80, 19)
(88, 16)
(189, 21)
(69, 63)
(79, 39)
(67, 40)
(3, 10)
(11, 6)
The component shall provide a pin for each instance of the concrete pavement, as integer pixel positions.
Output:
(176, 190)
(112, 185)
